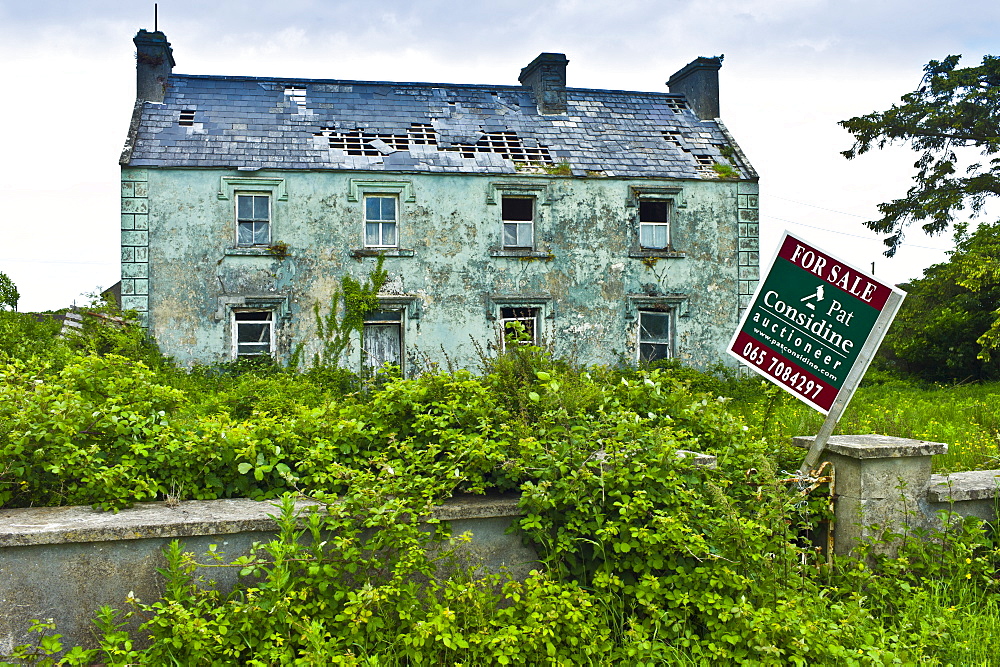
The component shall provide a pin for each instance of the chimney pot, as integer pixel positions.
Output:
(154, 61)
(698, 81)
(546, 77)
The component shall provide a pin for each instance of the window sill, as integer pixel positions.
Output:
(388, 252)
(251, 251)
(522, 254)
(657, 254)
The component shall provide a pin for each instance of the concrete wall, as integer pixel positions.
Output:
(66, 562)
(181, 271)
(885, 484)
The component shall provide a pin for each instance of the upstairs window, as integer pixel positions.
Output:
(519, 325)
(253, 220)
(655, 335)
(654, 223)
(380, 222)
(253, 333)
(518, 215)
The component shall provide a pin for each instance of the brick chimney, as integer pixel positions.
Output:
(154, 60)
(546, 77)
(698, 81)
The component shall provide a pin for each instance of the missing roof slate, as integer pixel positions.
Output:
(297, 95)
(506, 144)
(675, 105)
(187, 118)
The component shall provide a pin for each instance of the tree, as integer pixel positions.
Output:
(9, 296)
(950, 320)
(952, 108)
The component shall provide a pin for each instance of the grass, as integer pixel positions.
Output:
(965, 417)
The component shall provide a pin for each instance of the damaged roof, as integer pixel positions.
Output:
(268, 123)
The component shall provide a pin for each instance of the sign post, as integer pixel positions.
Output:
(812, 328)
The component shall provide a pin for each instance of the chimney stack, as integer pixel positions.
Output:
(154, 60)
(546, 77)
(698, 81)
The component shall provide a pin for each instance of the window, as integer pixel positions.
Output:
(382, 340)
(380, 222)
(655, 335)
(253, 333)
(511, 318)
(518, 215)
(253, 220)
(654, 223)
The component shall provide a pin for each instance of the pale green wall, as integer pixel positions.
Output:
(587, 225)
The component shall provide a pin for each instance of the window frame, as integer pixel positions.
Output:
(399, 320)
(235, 323)
(394, 197)
(653, 225)
(518, 224)
(535, 318)
(253, 220)
(669, 314)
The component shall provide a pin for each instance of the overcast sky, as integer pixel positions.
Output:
(792, 69)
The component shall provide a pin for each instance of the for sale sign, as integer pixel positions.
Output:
(814, 324)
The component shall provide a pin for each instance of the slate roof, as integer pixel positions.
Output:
(268, 123)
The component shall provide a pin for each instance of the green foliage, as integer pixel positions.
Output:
(9, 296)
(953, 108)
(335, 328)
(644, 557)
(725, 170)
(950, 321)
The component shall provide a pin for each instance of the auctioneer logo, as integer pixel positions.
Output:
(813, 320)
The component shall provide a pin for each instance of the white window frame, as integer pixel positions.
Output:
(252, 220)
(666, 342)
(380, 222)
(235, 326)
(535, 319)
(652, 226)
(519, 225)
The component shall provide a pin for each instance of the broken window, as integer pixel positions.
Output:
(655, 337)
(654, 223)
(518, 215)
(253, 333)
(382, 340)
(380, 221)
(519, 325)
(253, 219)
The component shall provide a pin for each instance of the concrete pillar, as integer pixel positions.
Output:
(880, 481)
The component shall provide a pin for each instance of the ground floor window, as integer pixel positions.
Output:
(253, 333)
(383, 339)
(519, 325)
(655, 335)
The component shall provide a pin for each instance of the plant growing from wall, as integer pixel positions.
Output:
(335, 328)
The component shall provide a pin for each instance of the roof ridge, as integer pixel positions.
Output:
(425, 84)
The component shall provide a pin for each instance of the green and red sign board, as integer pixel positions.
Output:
(814, 324)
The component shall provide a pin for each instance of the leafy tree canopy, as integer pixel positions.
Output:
(953, 108)
(9, 296)
(949, 326)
